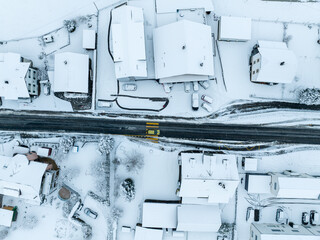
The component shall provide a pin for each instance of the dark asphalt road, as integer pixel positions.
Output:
(167, 129)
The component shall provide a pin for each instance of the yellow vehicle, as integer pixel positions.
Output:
(153, 132)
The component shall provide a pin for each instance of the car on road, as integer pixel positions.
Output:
(90, 213)
(153, 132)
(305, 218)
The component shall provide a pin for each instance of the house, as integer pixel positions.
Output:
(234, 29)
(283, 232)
(18, 79)
(128, 42)
(207, 178)
(272, 63)
(71, 73)
(293, 185)
(198, 218)
(183, 52)
(21, 178)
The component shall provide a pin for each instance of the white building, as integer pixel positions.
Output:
(272, 62)
(17, 79)
(258, 184)
(171, 6)
(21, 179)
(234, 29)
(128, 42)
(183, 52)
(282, 232)
(142, 233)
(292, 185)
(199, 218)
(71, 73)
(208, 179)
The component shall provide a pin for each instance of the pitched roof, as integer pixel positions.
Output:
(71, 72)
(12, 76)
(278, 63)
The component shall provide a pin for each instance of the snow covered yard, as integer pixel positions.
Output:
(86, 172)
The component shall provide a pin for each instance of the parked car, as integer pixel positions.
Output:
(204, 84)
(153, 132)
(195, 86)
(314, 217)
(279, 215)
(187, 87)
(206, 98)
(129, 87)
(206, 106)
(195, 101)
(167, 87)
(46, 89)
(305, 218)
(249, 213)
(90, 213)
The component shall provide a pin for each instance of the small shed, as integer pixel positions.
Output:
(258, 183)
(89, 39)
(183, 52)
(234, 29)
(6, 217)
(142, 233)
(71, 73)
(199, 218)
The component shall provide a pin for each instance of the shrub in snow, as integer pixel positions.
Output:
(105, 145)
(115, 213)
(3, 233)
(133, 161)
(86, 231)
(309, 96)
(66, 143)
(70, 25)
(29, 222)
(127, 189)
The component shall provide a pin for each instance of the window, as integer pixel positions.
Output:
(253, 72)
(258, 60)
(275, 186)
(256, 238)
(257, 70)
(275, 230)
(254, 62)
(295, 230)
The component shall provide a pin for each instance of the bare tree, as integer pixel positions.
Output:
(133, 161)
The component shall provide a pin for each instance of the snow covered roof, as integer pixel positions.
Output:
(199, 218)
(258, 184)
(213, 177)
(183, 48)
(278, 63)
(148, 234)
(12, 76)
(234, 28)
(21, 178)
(6, 217)
(303, 186)
(283, 232)
(159, 215)
(71, 72)
(128, 42)
(171, 6)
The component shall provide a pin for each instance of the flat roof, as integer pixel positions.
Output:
(234, 28)
(159, 215)
(142, 233)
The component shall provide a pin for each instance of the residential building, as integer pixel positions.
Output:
(128, 43)
(18, 79)
(234, 29)
(183, 52)
(282, 232)
(292, 185)
(207, 179)
(272, 63)
(71, 73)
